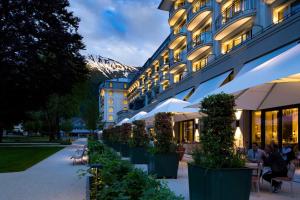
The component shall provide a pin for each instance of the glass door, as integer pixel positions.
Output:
(290, 126)
(271, 127)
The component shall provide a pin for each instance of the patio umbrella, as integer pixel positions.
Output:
(273, 83)
(138, 116)
(123, 121)
(176, 106)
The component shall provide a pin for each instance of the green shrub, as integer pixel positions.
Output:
(164, 133)
(126, 130)
(139, 136)
(217, 136)
(118, 179)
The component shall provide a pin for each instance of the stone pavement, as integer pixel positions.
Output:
(54, 178)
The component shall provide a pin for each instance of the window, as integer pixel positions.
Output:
(271, 127)
(125, 85)
(228, 45)
(290, 126)
(110, 118)
(110, 93)
(199, 64)
(256, 127)
(125, 94)
(125, 108)
(177, 78)
(110, 84)
(111, 101)
(111, 109)
(125, 102)
(165, 86)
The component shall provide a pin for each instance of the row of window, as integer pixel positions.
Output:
(111, 85)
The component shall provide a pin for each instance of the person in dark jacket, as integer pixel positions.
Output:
(276, 164)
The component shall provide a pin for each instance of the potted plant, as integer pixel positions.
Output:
(124, 138)
(139, 143)
(180, 150)
(164, 160)
(218, 171)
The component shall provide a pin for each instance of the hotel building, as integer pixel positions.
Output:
(211, 43)
(113, 99)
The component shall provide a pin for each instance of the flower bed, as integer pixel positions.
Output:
(118, 179)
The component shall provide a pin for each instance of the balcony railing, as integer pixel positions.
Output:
(164, 77)
(179, 30)
(198, 7)
(176, 7)
(236, 9)
(203, 38)
(179, 57)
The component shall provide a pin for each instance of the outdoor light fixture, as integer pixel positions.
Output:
(238, 136)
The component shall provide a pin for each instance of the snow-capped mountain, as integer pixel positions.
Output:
(109, 67)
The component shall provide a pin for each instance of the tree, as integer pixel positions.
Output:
(39, 55)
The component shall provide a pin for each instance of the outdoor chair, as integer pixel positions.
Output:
(289, 178)
(256, 177)
(78, 156)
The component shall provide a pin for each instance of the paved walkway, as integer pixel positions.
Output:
(54, 178)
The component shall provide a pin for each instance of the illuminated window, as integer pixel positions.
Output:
(256, 127)
(110, 93)
(199, 64)
(125, 108)
(111, 109)
(228, 45)
(178, 77)
(125, 94)
(110, 84)
(290, 126)
(110, 118)
(125, 85)
(271, 125)
(125, 102)
(111, 101)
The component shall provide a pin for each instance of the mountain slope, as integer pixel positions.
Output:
(108, 68)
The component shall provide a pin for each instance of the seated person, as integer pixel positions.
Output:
(276, 167)
(287, 153)
(255, 154)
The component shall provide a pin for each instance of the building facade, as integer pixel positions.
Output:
(113, 99)
(212, 40)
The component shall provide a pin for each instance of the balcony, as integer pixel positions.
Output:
(178, 62)
(178, 36)
(200, 45)
(176, 12)
(200, 11)
(164, 77)
(235, 16)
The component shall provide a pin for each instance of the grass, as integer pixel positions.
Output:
(15, 159)
(26, 139)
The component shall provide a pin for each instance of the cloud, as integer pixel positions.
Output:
(125, 30)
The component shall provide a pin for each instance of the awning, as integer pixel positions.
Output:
(184, 95)
(207, 87)
(123, 121)
(274, 83)
(138, 116)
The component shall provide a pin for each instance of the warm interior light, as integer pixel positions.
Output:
(238, 137)
(197, 136)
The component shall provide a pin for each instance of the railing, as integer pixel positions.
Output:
(237, 8)
(164, 77)
(178, 30)
(198, 7)
(203, 38)
(179, 57)
(176, 7)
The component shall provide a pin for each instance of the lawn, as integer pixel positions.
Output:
(14, 159)
(25, 139)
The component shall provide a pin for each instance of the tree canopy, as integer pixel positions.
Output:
(39, 55)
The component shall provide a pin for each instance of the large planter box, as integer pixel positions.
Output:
(138, 155)
(125, 150)
(219, 184)
(164, 165)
